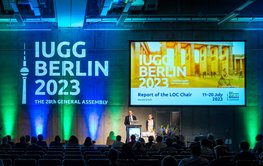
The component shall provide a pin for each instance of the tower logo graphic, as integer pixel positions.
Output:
(24, 72)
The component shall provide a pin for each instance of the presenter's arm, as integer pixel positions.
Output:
(134, 118)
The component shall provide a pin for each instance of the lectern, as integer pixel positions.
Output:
(133, 130)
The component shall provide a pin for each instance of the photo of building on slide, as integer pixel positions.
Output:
(189, 64)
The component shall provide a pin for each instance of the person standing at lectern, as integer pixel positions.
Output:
(129, 118)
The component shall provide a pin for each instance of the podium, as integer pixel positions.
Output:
(133, 130)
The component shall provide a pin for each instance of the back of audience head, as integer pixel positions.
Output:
(159, 139)
(27, 138)
(169, 161)
(141, 140)
(33, 140)
(169, 141)
(133, 137)
(219, 141)
(118, 138)
(22, 139)
(210, 136)
(88, 141)
(57, 139)
(40, 137)
(73, 140)
(150, 138)
(205, 142)
(244, 146)
(4, 140)
(259, 137)
(8, 138)
(195, 149)
(220, 151)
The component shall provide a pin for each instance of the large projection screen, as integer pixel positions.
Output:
(187, 73)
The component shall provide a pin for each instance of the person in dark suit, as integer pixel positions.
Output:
(129, 118)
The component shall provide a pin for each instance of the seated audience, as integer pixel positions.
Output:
(10, 140)
(34, 146)
(205, 150)
(159, 144)
(88, 142)
(117, 143)
(211, 139)
(126, 152)
(258, 148)
(133, 141)
(195, 159)
(22, 144)
(73, 141)
(169, 146)
(28, 138)
(244, 153)
(41, 141)
(180, 140)
(221, 159)
(150, 142)
(56, 142)
(219, 143)
(113, 156)
(142, 141)
(138, 148)
(110, 138)
(169, 161)
(176, 143)
(4, 144)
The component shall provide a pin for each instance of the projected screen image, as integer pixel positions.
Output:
(169, 73)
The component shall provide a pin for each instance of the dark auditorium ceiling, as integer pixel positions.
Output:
(122, 13)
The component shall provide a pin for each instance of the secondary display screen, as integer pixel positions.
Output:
(169, 73)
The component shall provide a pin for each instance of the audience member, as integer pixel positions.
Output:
(56, 142)
(138, 148)
(88, 142)
(205, 150)
(244, 153)
(126, 152)
(159, 144)
(169, 146)
(41, 141)
(195, 159)
(22, 144)
(5, 144)
(133, 141)
(211, 139)
(142, 141)
(28, 138)
(169, 161)
(34, 146)
(113, 156)
(150, 142)
(220, 143)
(117, 143)
(221, 159)
(10, 140)
(258, 148)
(110, 138)
(177, 143)
(73, 141)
